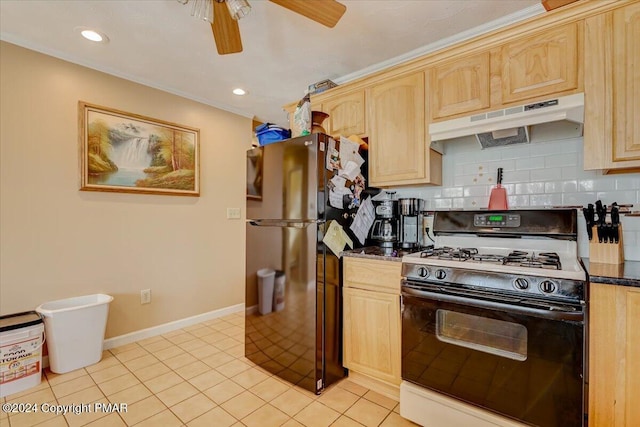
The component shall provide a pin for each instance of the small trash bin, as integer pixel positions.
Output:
(265, 290)
(75, 330)
(278, 291)
(21, 338)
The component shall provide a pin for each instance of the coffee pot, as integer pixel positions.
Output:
(385, 226)
(385, 232)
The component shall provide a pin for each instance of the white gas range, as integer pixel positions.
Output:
(493, 321)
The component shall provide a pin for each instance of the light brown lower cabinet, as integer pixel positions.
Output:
(614, 356)
(372, 319)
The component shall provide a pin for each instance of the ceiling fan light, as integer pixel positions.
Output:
(238, 8)
(202, 9)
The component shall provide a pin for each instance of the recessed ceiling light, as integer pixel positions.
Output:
(93, 35)
(239, 91)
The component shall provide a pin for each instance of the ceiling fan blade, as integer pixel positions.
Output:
(226, 32)
(325, 12)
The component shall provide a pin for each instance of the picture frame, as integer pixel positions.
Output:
(130, 153)
(254, 173)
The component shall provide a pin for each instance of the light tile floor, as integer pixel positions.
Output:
(196, 377)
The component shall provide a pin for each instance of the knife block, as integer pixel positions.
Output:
(606, 253)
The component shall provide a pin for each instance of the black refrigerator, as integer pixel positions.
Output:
(300, 340)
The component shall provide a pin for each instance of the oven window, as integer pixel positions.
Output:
(492, 336)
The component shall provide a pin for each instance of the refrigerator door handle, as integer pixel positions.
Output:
(291, 223)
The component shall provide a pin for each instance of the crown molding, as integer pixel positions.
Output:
(513, 18)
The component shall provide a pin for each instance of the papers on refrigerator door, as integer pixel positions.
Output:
(337, 197)
(363, 220)
(333, 156)
(349, 152)
(350, 171)
(338, 181)
(336, 238)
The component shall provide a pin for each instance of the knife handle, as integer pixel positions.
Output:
(589, 223)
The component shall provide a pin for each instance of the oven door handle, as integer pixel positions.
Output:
(554, 312)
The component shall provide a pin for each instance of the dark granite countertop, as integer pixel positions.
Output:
(627, 274)
(376, 252)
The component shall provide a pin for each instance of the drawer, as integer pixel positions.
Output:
(374, 275)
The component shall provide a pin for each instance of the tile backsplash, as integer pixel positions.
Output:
(536, 175)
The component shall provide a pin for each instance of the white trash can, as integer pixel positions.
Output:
(75, 330)
(278, 291)
(21, 338)
(265, 290)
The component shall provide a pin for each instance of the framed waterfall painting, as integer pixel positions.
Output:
(128, 153)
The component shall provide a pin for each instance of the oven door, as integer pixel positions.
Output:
(523, 359)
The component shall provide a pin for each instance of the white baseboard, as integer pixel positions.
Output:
(252, 310)
(168, 327)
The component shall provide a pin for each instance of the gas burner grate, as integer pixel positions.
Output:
(457, 254)
(516, 258)
(489, 258)
(549, 260)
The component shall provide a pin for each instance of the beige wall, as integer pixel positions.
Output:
(58, 242)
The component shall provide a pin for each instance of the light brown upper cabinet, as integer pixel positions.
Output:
(626, 80)
(525, 69)
(346, 114)
(540, 65)
(612, 90)
(460, 86)
(398, 147)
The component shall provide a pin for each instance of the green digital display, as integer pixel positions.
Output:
(498, 218)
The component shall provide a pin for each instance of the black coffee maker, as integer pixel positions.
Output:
(410, 219)
(385, 226)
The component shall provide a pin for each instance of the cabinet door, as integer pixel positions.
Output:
(614, 346)
(346, 114)
(372, 334)
(544, 64)
(396, 121)
(460, 86)
(626, 83)
(612, 90)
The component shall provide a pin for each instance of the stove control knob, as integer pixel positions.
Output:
(521, 283)
(423, 272)
(547, 286)
(441, 274)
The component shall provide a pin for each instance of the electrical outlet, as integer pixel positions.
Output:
(145, 296)
(427, 229)
(233, 213)
(428, 221)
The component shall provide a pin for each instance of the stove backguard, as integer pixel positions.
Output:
(549, 223)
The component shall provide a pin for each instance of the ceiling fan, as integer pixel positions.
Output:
(224, 14)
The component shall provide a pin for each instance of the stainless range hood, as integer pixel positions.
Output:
(511, 125)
